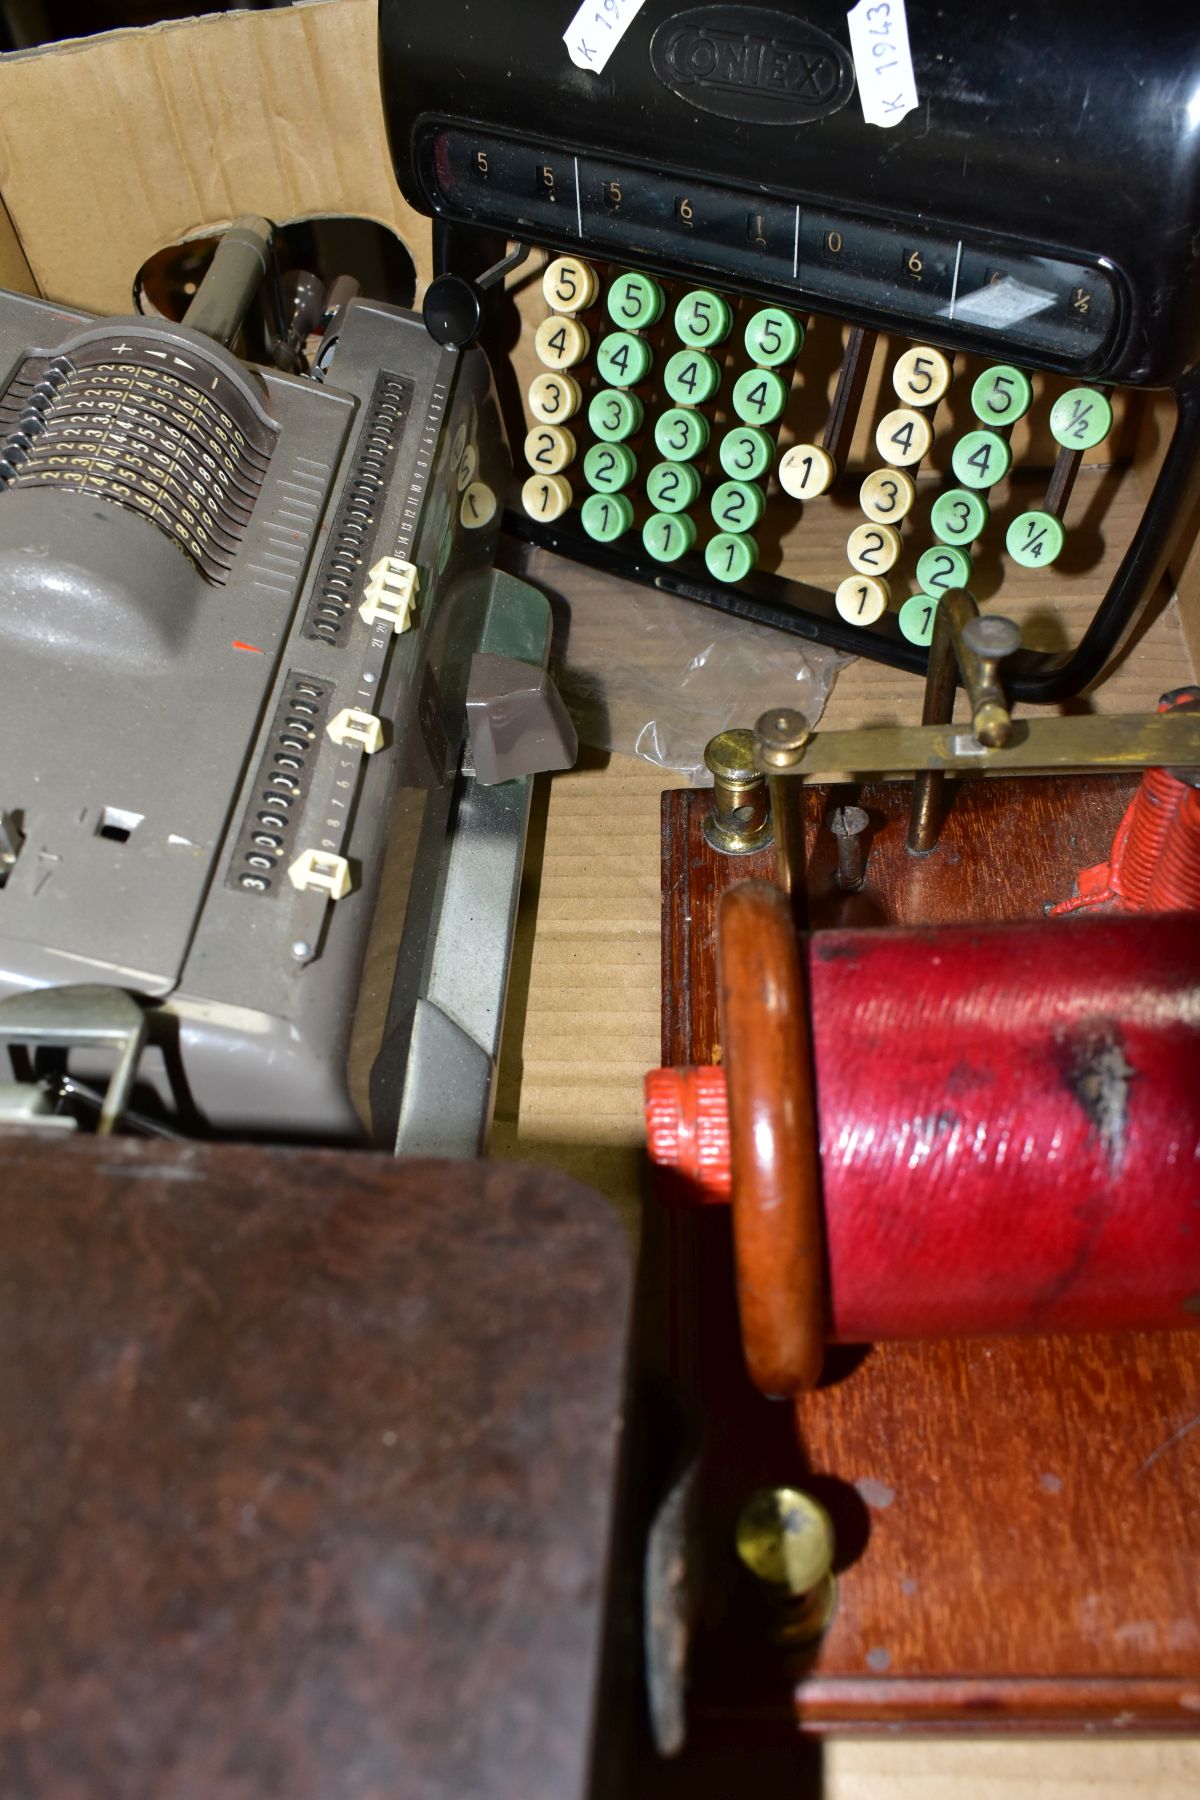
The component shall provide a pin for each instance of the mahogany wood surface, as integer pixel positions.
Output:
(1018, 1522)
(309, 1473)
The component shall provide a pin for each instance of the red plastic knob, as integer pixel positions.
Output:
(687, 1127)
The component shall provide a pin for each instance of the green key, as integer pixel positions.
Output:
(608, 467)
(939, 568)
(680, 434)
(759, 396)
(773, 337)
(730, 555)
(622, 359)
(691, 378)
(746, 453)
(1080, 419)
(916, 617)
(667, 536)
(980, 459)
(702, 319)
(1001, 395)
(959, 517)
(736, 506)
(606, 517)
(1034, 539)
(613, 415)
(672, 486)
(634, 301)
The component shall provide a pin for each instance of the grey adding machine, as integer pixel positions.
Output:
(243, 616)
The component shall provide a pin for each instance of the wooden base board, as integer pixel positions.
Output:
(1018, 1522)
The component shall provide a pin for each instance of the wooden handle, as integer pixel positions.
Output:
(774, 1143)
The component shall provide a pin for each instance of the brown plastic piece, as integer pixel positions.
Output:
(517, 721)
(775, 1154)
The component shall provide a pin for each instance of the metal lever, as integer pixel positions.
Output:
(974, 647)
(238, 269)
(75, 1017)
(453, 306)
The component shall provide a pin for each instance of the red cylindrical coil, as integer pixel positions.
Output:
(1009, 1124)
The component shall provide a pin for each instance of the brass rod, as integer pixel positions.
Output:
(941, 680)
(1089, 741)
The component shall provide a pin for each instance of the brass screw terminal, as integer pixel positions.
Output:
(740, 819)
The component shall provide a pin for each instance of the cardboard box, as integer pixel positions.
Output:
(116, 146)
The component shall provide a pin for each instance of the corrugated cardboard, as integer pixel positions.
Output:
(15, 272)
(115, 146)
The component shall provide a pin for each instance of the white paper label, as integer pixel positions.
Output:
(882, 63)
(598, 28)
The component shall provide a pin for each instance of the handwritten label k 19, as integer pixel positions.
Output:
(597, 29)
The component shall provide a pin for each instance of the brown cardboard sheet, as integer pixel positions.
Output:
(115, 146)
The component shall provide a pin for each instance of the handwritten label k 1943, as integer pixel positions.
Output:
(882, 61)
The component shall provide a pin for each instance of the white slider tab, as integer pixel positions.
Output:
(314, 872)
(390, 593)
(353, 726)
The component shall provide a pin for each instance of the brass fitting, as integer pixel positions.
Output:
(785, 1539)
(980, 644)
(740, 819)
(781, 736)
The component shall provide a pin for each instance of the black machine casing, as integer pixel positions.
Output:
(1042, 130)
(1039, 205)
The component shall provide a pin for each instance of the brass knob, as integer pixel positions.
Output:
(782, 735)
(785, 1539)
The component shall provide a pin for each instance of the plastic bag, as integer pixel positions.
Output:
(647, 674)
